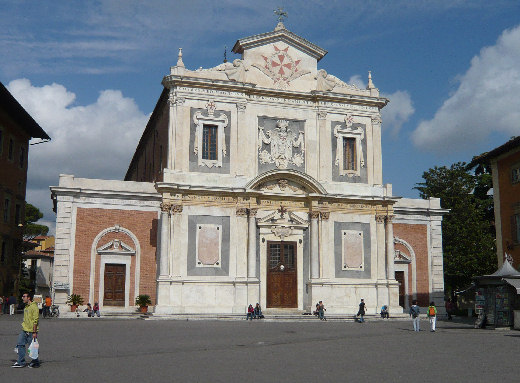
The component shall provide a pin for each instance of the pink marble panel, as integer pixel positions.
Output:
(208, 245)
(353, 250)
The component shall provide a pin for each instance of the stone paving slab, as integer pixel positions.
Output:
(261, 351)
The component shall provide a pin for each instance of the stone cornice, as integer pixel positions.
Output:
(104, 194)
(249, 89)
(175, 188)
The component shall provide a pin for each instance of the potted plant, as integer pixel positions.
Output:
(143, 301)
(74, 301)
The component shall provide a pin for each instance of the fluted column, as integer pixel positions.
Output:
(251, 251)
(164, 239)
(390, 273)
(315, 260)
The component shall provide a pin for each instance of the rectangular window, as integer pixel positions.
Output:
(515, 175)
(7, 206)
(18, 215)
(515, 228)
(11, 149)
(349, 153)
(209, 142)
(22, 156)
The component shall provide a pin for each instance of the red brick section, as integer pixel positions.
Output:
(416, 237)
(509, 196)
(90, 222)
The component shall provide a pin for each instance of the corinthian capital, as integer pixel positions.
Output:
(165, 207)
(376, 120)
(380, 218)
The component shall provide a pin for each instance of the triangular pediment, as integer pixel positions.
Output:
(285, 218)
(401, 257)
(280, 35)
(115, 246)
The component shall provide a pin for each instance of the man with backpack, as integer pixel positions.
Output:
(414, 313)
(432, 314)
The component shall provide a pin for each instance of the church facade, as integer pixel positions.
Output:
(254, 181)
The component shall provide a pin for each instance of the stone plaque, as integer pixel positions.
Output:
(352, 250)
(209, 238)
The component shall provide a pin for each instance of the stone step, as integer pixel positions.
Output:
(271, 317)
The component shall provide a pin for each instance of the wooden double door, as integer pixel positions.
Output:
(282, 276)
(114, 294)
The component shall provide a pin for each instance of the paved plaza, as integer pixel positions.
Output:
(116, 350)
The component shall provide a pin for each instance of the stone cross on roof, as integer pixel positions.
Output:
(280, 13)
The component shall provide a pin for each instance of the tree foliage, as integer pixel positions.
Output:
(468, 229)
(32, 229)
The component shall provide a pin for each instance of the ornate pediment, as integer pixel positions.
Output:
(282, 186)
(401, 257)
(282, 223)
(116, 246)
(281, 217)
(287, 181)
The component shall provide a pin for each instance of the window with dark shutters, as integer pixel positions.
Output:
(515, 228)
(349, 153)
(209, 142)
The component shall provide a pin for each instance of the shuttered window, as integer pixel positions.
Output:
(515, 228)
(209, 142)
(349, 153)
(515, 175)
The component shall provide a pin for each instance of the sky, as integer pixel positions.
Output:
(90, 73)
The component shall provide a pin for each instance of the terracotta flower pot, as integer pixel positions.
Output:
(73, 308)
(144, 309)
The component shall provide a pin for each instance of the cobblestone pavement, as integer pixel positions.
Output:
(102, 350)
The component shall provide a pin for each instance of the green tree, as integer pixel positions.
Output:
(468, 233)
(32, 229)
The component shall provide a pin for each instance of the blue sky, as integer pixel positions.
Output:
(90, 72)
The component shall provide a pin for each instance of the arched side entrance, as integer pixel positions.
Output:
(116, 258)
(403, 261)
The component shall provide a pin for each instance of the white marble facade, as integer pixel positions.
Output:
(296, 159)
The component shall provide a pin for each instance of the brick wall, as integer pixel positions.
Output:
(416, 235)
(509, 204)
(90, 222)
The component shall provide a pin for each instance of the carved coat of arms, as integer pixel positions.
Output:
(282, 141)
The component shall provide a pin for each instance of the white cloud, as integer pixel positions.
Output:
(485, 102)
(357, 81)
(95, 140)
(398, 110)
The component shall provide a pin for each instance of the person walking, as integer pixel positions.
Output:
(47, 306)
(29, 331)
(361, 311)
(432, 315)
(1, 304)
(415, 311)
(6, 305)
(12, 304)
